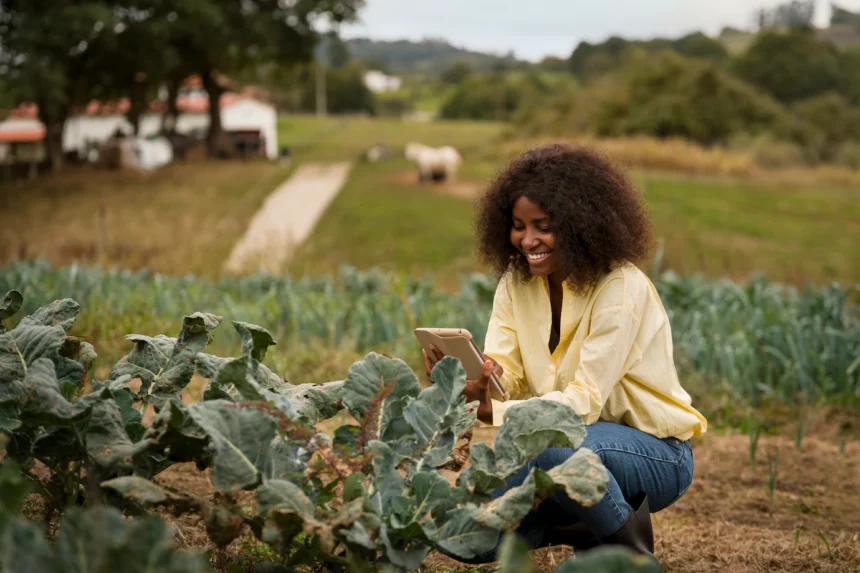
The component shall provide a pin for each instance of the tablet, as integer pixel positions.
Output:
(457, 342)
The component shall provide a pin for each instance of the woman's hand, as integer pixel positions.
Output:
(475, 390)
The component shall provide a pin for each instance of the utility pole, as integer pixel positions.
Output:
(320, 89)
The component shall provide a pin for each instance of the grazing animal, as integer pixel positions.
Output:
(434, 163)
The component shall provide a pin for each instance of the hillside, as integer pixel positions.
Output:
(427, 56)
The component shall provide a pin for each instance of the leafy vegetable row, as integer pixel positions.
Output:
(369, 497)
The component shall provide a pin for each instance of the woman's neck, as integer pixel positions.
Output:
(556, 281)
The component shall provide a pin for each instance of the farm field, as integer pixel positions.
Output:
(728, 227)
(773, 365)
(795, 496)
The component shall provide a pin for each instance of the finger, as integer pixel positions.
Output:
(437, 352)
(427, 364)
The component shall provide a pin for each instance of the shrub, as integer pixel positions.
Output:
(848, 155)
(790, 66)
(370, 498)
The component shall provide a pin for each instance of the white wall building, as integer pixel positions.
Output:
(379, 82)
(239, 113)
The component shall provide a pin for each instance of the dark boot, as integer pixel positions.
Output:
(580, 537)
(636, 532)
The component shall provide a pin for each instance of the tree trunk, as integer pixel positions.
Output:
(215, 138)
(54, 143)
(168, 120)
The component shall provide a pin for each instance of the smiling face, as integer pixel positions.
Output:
(532, 235)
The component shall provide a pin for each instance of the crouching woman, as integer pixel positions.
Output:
(576, 322)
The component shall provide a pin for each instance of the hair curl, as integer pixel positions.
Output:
(596, 214)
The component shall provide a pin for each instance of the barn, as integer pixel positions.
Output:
(251, 123)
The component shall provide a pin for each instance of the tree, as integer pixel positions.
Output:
(333, 51)
(215, 38)
(45, 58)
(790, 66)
(553, 64)
(456, 73)
(797, 14)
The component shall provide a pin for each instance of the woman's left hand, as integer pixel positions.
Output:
(479, 391)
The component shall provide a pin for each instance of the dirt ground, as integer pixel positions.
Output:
(457, 187)
(724, 522)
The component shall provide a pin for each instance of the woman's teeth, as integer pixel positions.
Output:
(537, 256)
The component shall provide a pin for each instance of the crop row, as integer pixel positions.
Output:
(757, 341)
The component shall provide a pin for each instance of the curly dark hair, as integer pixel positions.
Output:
(597, 215)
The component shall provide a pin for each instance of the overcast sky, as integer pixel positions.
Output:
(535, 28)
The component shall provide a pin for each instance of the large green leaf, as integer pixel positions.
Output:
(172, 437)
(240, 439)
(404, 554)
(464, 537)
(311, 402)
(165, 365)
(439, 414)
(24, 547)
(284, 496)
(583, 476)
(506, 512)
(60, 313)
(514, 556)
(12, 365)
(107, 442)
(368, 377)
(527, 430)
(193, 338)
(609, 559)
(45, 403)
(387, 482)
(147, 358)
(533, 426)
(100, 539)
(434, 404)
(34, 340)
(10, 304)
(255, 340)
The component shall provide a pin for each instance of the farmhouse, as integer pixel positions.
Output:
(250, 121)
(378, 82)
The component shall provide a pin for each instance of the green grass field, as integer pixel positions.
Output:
(187, 217)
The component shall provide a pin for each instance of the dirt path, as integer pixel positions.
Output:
(287, 217)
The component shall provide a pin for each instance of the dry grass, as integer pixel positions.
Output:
(723, 524)
(682, 157)
(180, 219)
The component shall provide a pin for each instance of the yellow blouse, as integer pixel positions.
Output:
(613, 361)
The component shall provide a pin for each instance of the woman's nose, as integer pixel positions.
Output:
(530, 241)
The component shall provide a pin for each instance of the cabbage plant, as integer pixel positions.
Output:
(369, 495)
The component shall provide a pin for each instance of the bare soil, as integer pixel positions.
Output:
(457, 187)
(724, 523)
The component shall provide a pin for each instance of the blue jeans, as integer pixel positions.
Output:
(637, 463)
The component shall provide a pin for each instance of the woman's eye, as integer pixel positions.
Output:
(518, 228)
(545, 230)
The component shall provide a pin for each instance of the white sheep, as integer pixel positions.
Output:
(434, 163)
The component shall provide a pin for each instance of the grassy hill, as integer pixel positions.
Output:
(430, 56)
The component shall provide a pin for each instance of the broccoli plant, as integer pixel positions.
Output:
(373, 492)
(370, 496)
(88, 540)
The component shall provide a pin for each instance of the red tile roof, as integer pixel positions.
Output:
(22, 135)
(186, 104)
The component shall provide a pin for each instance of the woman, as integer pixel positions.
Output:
(576, 322)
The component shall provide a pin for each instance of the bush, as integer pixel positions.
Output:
(848, 155)
(673, 96)
(775, 154)
(834, 120)
(487, 98)
(371, 493)
(393, 104)
(790, 66)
